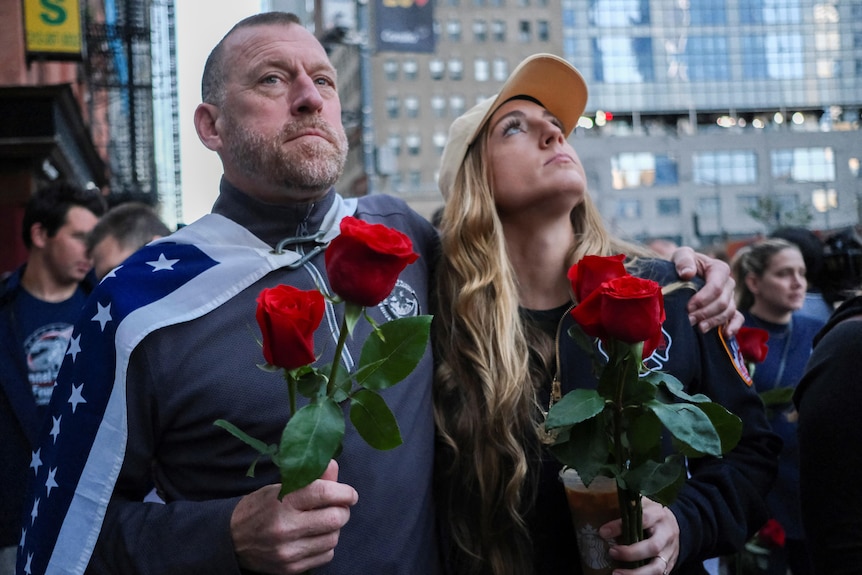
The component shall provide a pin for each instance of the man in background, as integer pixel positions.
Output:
(120, 232)
(39, 302)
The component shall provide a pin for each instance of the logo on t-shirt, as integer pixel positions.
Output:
(402, 302)
(45, 349)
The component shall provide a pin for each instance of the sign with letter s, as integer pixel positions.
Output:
(52, 29)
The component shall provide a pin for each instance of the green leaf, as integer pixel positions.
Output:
(675, 387)
(660, 482)
(362, 373)
(310, 439)
(637, 390)
(584, 447)
(406, 340)
(352, 313)
(777, 397)
(374, 421)
(645, 435)
(256, 444)
(576, 406)
(584, 341)
(311, 383)
(726, 424)
(689, 425)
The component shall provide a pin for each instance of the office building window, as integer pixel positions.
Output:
(773, 56)
(542, 33)
(706, 12)
(524, 34)
(747, 203)
(707, 58)
(438, 106)
(413, 143)
(770, 11)
(623, 60)
(724, 168)
(627, 209)
(453, 30)
(439, 139)
(457, 105)
(390, 69)
(523, 3)
(803, 165)
(481, 70)
(456, 69)
(500, 69)
(668, 206)
(393, 105)
(618, 13)
(436, 68)
(480, 31)
(394, 143)
(415, 179)
(635, 170)
(395, 182)
(709, 206)
(410, 69)
(498, 29)
(411, 107)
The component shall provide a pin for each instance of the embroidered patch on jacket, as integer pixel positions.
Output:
(735, 354)
(402, 302)
(656, 361)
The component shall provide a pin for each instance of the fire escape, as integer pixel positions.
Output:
(131, 63)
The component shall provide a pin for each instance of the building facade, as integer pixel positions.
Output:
(707, 120)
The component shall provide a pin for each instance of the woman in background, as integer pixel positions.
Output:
(771, 286)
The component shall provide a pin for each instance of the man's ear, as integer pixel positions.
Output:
(205, 125)
(38, 235)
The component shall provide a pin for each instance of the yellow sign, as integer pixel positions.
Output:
(53, 26)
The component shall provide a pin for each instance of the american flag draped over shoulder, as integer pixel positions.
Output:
(82, 447)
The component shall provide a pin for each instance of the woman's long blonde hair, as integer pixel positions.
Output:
(485, 387)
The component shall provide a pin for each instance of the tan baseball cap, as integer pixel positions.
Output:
(549, 79)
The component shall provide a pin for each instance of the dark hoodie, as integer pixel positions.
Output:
(830, 433)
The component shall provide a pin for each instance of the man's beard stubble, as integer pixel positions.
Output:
(312, 164)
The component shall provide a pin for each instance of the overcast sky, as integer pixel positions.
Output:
(200, 25)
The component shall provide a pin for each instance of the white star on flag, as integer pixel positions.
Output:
(27, 569)
(163, 263)
(51, 483)
(36, 460)
(35, 513)
(74, 347)
(55, 427)
(112, 273)
(76, 396)
(103, 316)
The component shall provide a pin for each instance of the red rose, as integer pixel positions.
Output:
(592, 271)
(627, 309)
(771, 534)
(752, 343)
(365, 260)
(288, 317)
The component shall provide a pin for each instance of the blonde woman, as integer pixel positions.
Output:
(517, 216)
